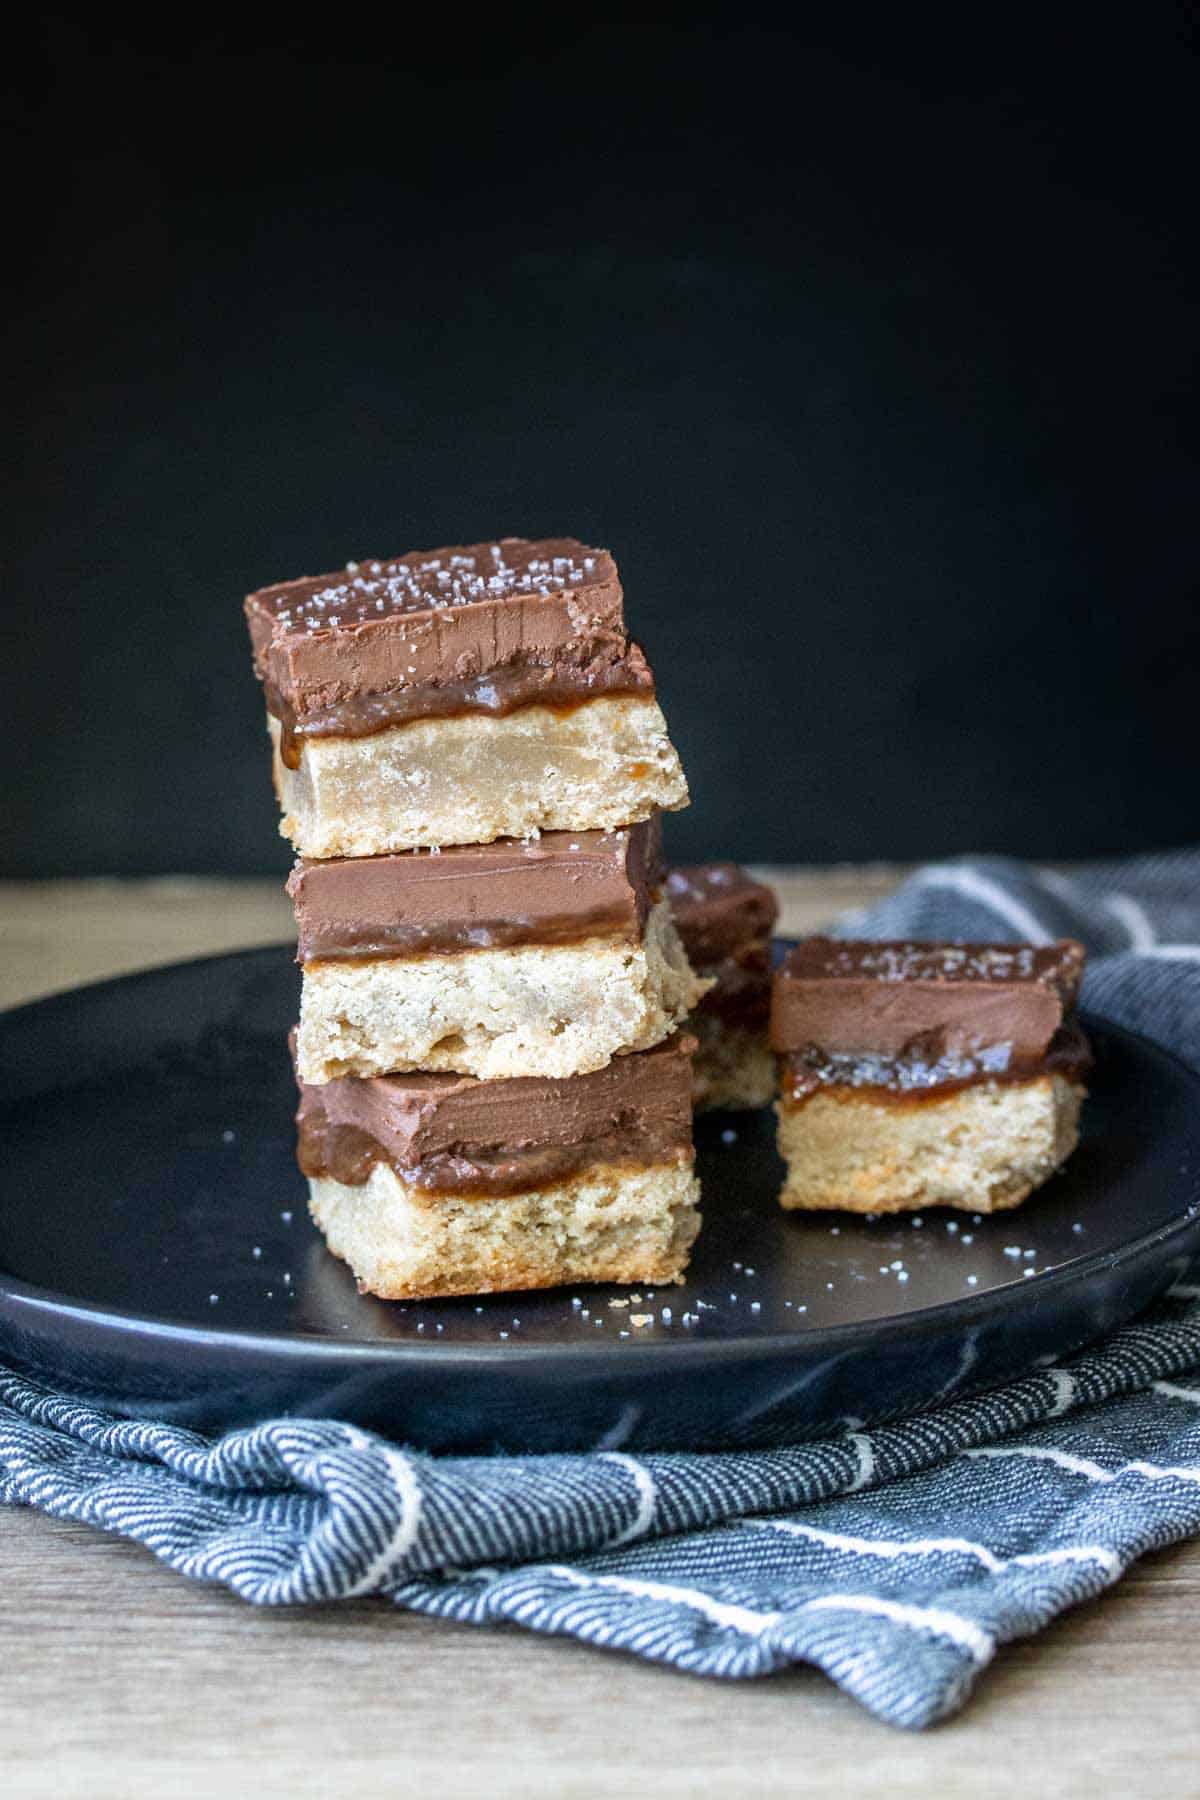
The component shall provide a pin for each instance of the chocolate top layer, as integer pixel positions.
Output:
(849, 996)
(374, 594)
(558, 888)
(454, 1133)
(719, 909)
(470, 627)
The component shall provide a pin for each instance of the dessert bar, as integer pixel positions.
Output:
(539, 957)
(922, 1074)
(431, 1184)
(725, 919)
(456, 696)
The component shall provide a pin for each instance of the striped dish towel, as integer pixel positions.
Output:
(898, 1559)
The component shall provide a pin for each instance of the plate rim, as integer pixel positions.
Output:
(31, 1300)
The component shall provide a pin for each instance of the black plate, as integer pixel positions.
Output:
(156, 1253)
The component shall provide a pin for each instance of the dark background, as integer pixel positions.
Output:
(869, 350)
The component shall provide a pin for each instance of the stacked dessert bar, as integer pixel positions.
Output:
(725, 919)
(471, 763)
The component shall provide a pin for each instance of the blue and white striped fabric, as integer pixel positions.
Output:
(896, 1559)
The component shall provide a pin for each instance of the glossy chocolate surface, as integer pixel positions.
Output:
(479, 628)
(877, 997)
(454, 1134)
(559, 888)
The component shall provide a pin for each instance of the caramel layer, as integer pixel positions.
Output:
(348, 1156)
(925, 1073)
(562, 684)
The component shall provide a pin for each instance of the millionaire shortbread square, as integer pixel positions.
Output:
(433, 1185)
(540, 957)
(459, 695)
(926, 1074)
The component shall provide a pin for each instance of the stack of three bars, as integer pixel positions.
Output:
(471, 762)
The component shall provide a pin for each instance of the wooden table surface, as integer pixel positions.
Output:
(118, 1678)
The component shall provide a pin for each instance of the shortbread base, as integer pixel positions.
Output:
(537, 1009)
(980, 1149)
(473, 777)
(733, 1066)
(606, 1224)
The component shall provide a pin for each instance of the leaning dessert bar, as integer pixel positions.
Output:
(916, 1074)
(725, 919)
(459, 695)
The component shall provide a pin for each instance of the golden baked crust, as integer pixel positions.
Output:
(473, 778)
(557, 1009)
(609, 1223)
(981, 1148)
